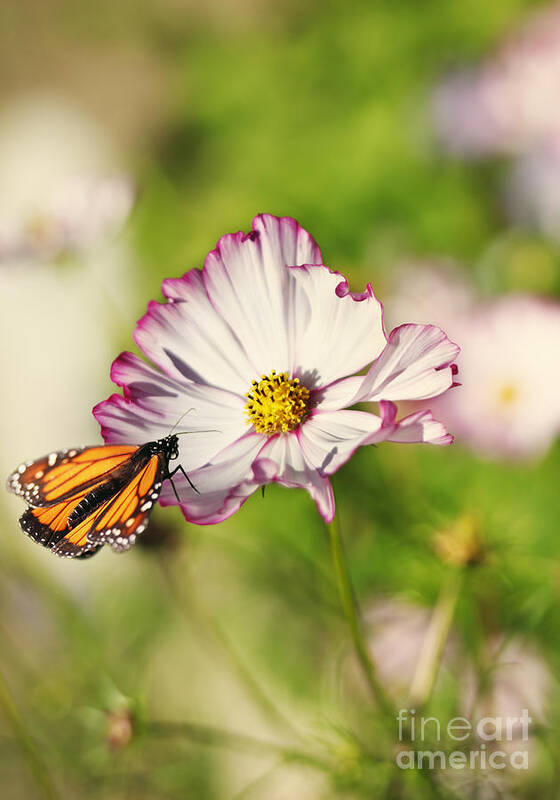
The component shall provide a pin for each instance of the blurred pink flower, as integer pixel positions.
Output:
(515, 684)
(396, 631)
(507, 406)
(509, 103)
(517, 677)
(514, 677)
(264, 344)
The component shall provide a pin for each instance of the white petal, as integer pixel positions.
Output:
(416, 364)
(337, 395)
(342, 333)
(330, 438)
(222, 486)
(283, 461)
(154, 406)
(123, 422)
(190, 341)
(421, 427)
(247, 282)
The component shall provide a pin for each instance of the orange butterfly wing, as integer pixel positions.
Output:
(117, 521)
(59, 476)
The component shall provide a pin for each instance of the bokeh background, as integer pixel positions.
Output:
(418, 143)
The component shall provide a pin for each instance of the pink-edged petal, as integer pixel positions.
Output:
(222, 486)
(343, 331)
(141, 381)
(154, 405)
(123, 422)
(330, 438)
(283, 461)
(188, 339)
(415, 364)
(421, 427)
(418, 427)
(216, 506)
(247, 282)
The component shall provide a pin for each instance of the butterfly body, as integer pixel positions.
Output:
(84, 498)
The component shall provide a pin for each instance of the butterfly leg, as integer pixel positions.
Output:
(170, 476)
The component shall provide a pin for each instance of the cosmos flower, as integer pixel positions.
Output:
(60, 190)
(264, 344)
(508, 406)
(507, 104)
(508, 403)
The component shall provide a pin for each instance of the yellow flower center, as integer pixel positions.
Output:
(507, 395)
(277, 403)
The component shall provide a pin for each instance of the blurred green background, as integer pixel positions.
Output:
(220, 111)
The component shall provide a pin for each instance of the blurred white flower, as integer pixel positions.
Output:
(507, 403)
(60, 189)
(509, 103)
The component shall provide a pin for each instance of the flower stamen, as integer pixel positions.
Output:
(277, 403)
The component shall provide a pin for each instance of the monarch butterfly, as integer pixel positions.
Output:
(84, 498)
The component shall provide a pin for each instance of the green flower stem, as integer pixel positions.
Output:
(351, 612)
(36, 765)
(434, 641)
(219, 737)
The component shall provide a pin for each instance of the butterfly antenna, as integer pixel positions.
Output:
(210, 430)
(188, 411)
